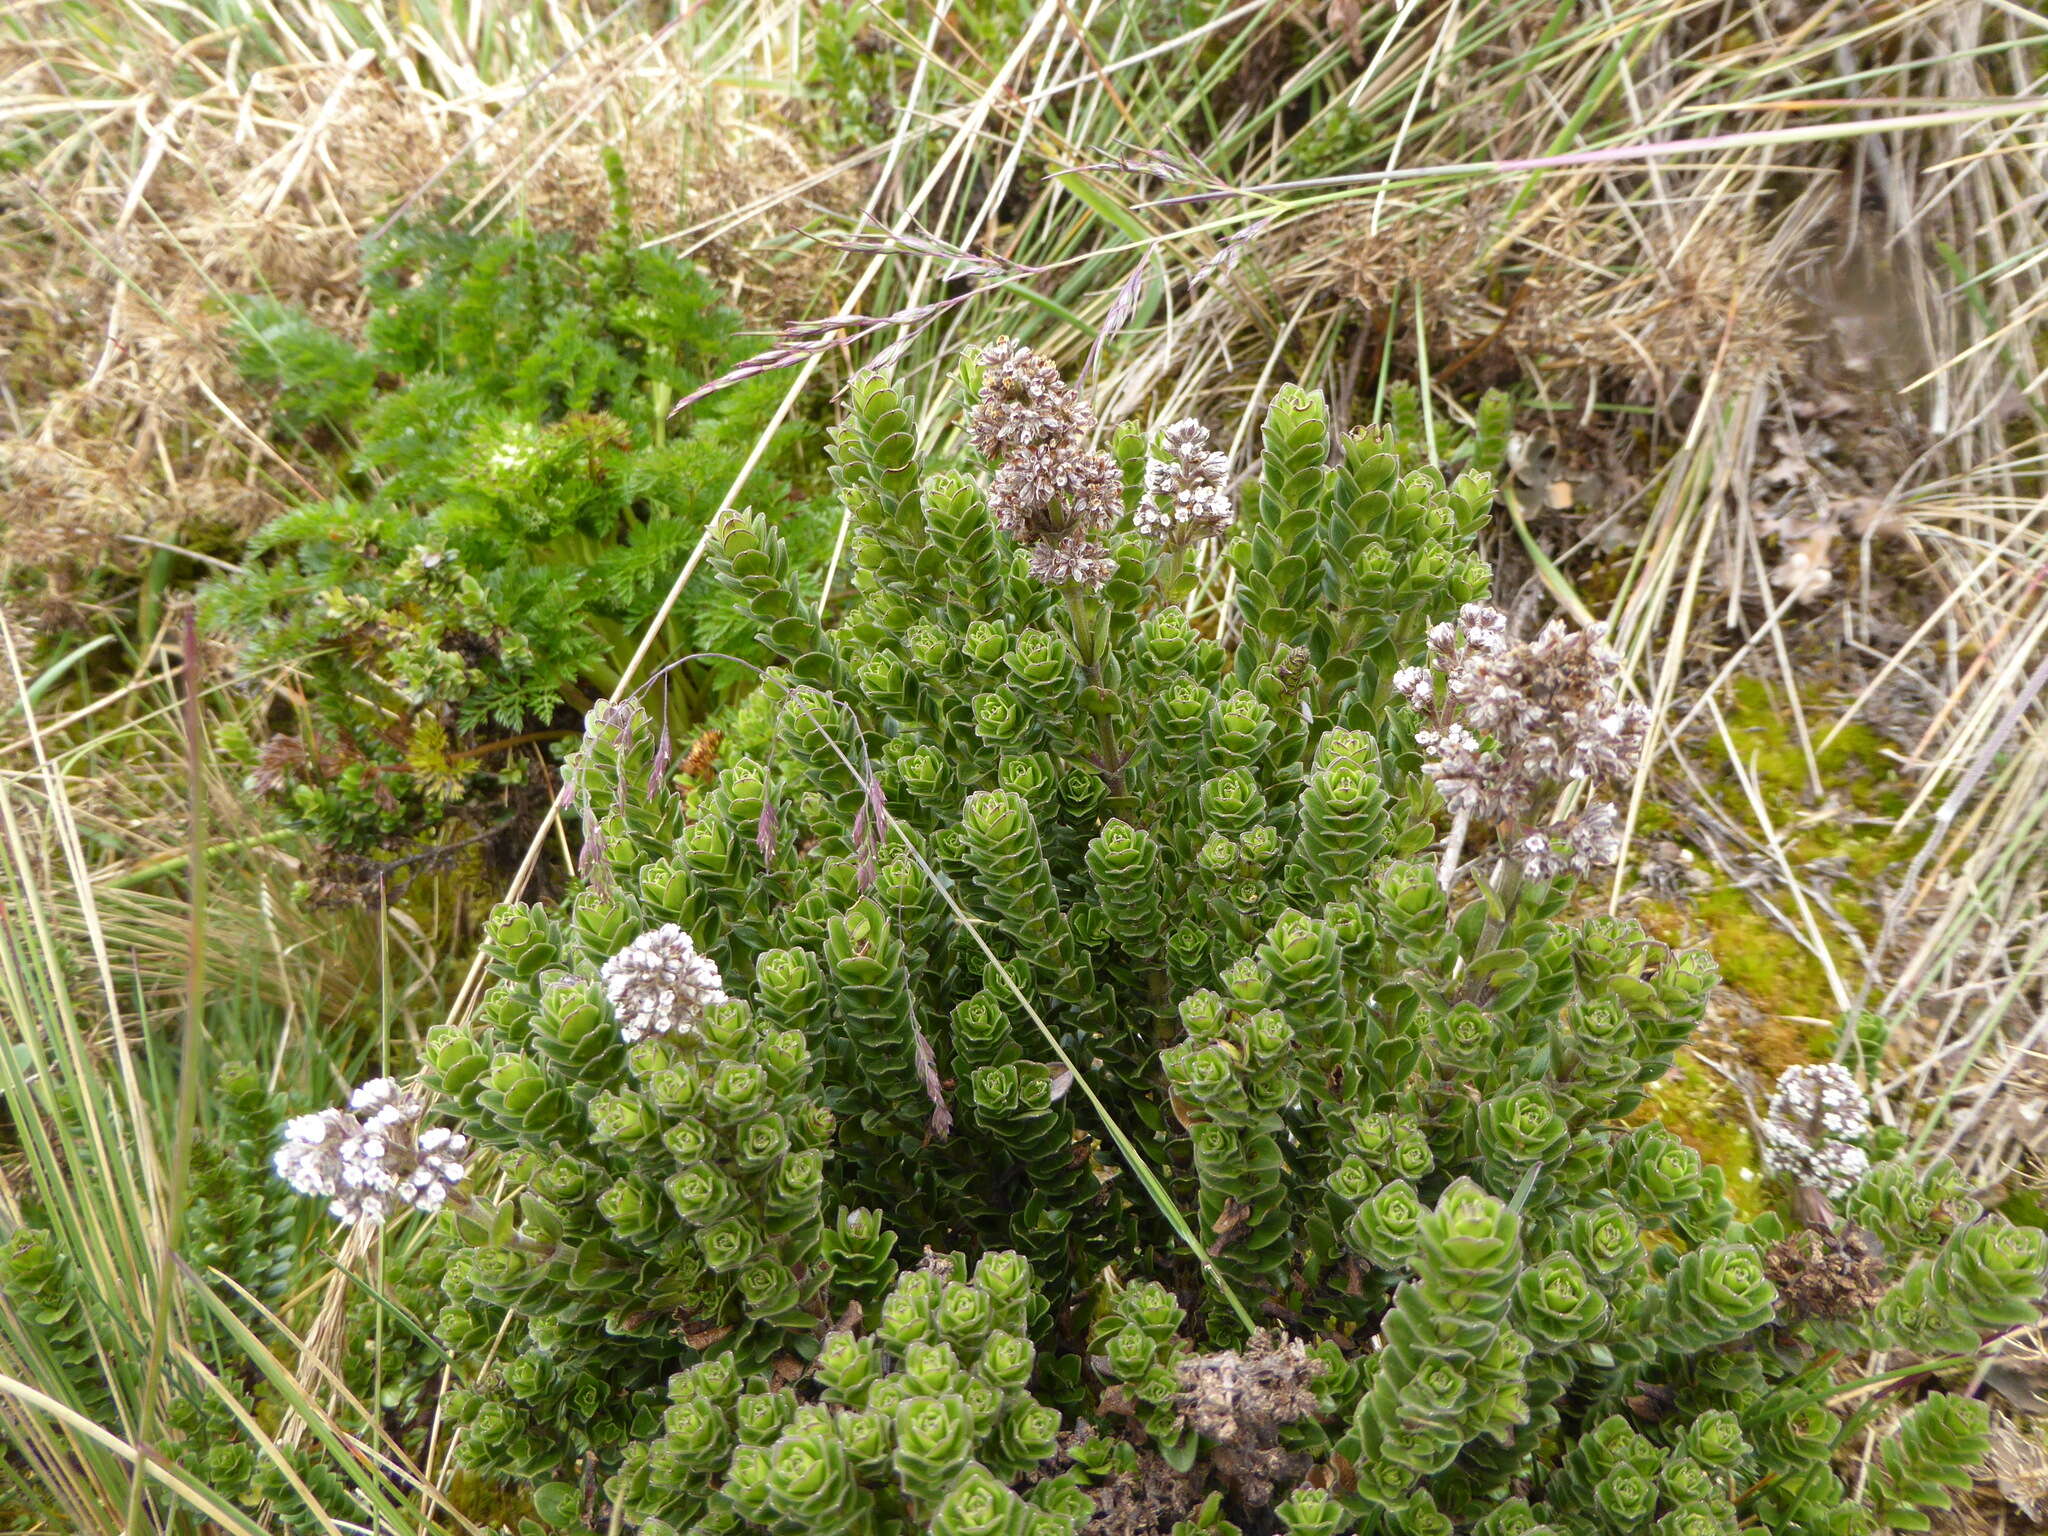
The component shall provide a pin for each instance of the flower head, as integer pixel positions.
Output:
(1187, 493)
(1418, 687)
(1814, 1129)
(1024, 403)
(659, 984)
(367, 1158)
(1050, 490)
(1518, 722)
(310, 1159)
(1073, 562)
(1054, 490)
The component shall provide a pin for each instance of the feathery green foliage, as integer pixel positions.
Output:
(519, 508)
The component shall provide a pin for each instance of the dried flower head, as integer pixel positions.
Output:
(1815, 1127)
(1517, 722)
(1050, 490)
(1827, 1274)
(660, 985)
(1187, 491)
(1024, 403)
(372, 1156)
(1043, 493)
(1073, 562)
(1243, 1401)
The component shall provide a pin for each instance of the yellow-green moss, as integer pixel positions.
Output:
(1766, 965)
(1854, 772)
(1777, 972)
(1653, 820)
(489, 1500)
(1862, 793)
(1853, 762)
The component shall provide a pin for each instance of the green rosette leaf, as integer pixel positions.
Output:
(977, 1504)
(1715, 1295)
(1557, 1304)
(1929, 1458)
(1519, 1131)
(934, 1442)
(811, 1482)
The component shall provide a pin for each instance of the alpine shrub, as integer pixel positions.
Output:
(911, 1131)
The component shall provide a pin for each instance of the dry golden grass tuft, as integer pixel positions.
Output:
(155, 200)
(1689, 299)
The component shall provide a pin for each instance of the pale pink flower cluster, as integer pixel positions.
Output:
(1050, 490)
(372, 1157)
(660, 984)
(1516, 722)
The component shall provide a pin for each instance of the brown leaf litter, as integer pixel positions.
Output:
(1241, 1400)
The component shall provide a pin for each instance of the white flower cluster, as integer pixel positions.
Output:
(660, 985)
(372, 1156)
(1516, 722)
(1815, 1126)
(1187, 493)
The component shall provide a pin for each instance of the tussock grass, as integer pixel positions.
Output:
(103, 1067)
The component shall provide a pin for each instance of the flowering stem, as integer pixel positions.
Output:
(1173, 565)
(1084, 616)
(1081, 627)
(1454, 849)
(1507, 890)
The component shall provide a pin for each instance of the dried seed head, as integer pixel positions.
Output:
(1826, 1275)
(1242, 1401)
(701, 761)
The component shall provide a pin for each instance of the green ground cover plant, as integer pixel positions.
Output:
(1051, 1073)
(517, 507)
